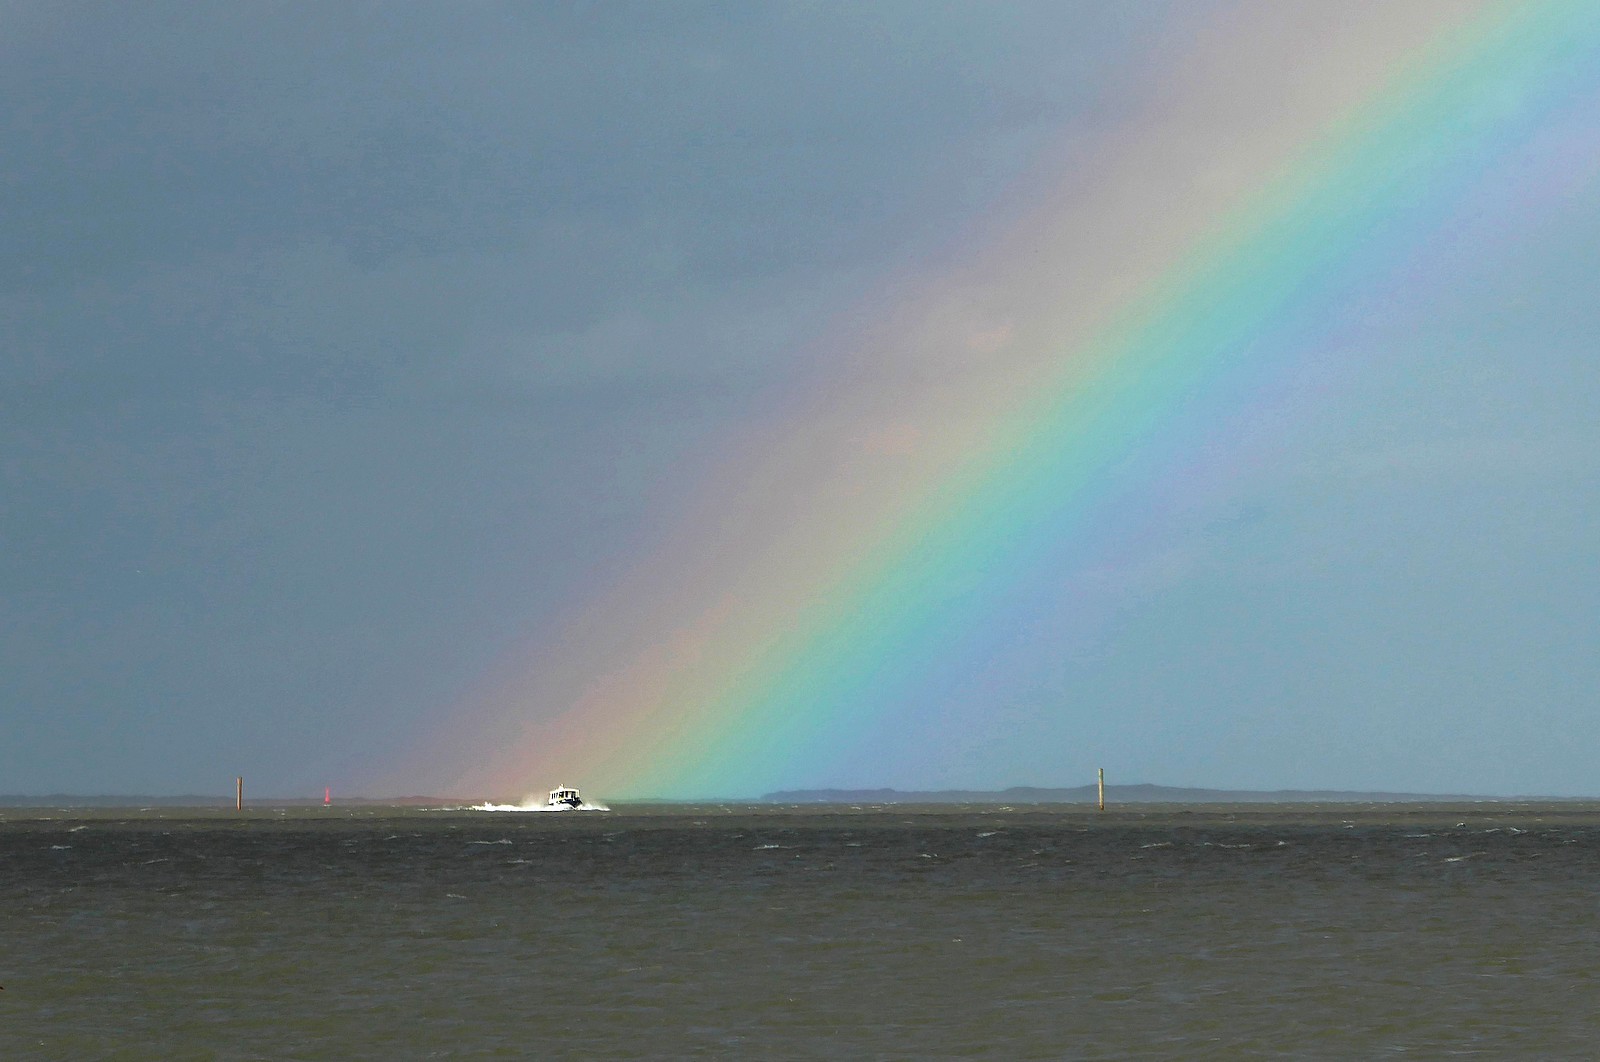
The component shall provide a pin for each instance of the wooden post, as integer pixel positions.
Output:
(1102, 788)
(238, 794)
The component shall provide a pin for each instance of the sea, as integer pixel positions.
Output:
(1341, 931)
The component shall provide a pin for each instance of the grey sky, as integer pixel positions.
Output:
(337, 342)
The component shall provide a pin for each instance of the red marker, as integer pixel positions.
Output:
(327, 795)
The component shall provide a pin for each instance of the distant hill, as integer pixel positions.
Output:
(1086, 794)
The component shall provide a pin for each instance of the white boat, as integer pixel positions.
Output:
(562, 797)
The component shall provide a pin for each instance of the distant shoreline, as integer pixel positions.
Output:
(1121, 794)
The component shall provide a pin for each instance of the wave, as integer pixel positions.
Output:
(533, 806)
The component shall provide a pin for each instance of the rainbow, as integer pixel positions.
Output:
(865, 562)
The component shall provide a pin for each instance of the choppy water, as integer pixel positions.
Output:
(1332, 932)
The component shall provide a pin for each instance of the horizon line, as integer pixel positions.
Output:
(812, 795)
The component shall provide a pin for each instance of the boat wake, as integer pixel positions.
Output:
(533, 806)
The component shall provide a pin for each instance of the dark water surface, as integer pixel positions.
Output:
(1331, 931)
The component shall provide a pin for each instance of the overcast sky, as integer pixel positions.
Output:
(343, 345)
